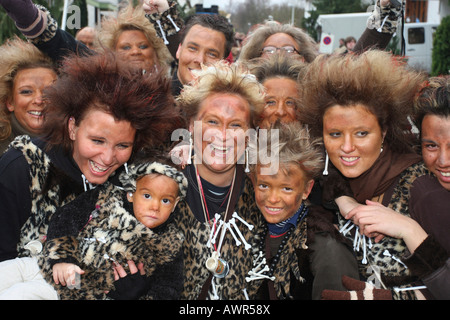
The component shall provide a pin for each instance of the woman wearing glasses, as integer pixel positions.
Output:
(273, 37)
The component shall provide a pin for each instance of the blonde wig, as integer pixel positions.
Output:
(222, 77)
(15, 55)
(132, 18)
(294, 147)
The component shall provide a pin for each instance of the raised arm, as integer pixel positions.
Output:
(381, 26)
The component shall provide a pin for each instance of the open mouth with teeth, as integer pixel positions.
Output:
(96, 169)
(218, 150)
(349, 160)
(444, 175)
(35, 113)
(273, 210)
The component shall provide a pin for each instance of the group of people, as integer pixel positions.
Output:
(150, 165)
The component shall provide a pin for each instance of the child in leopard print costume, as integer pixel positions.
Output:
(92, 238)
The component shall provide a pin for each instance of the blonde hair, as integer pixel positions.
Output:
(294, 147)
(222, 77)
(15, 55)
(131, 18)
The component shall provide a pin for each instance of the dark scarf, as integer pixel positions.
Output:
(383, 173)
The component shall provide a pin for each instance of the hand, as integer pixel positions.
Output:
(376, 218)
(66, 274)
(357, 290)
(119, 271)
(129, 286)
(155, 6)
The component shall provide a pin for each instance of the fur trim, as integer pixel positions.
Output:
(129, 178)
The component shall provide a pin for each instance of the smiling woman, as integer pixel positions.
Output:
(86, 137)
(351, 103)
(24, 73)
(224, 101)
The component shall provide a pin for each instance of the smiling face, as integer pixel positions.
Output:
(136, 49)
(436, 147)
(224, 120)
(100, 144)
(279, 196)
(27, 103)
(200, 46)
(280, 101)
(154, 200)
(352, 138)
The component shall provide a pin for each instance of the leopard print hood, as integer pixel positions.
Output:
(112, 235)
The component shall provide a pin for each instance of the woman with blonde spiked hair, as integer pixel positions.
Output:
(218, 216)
(133, 35)
(24, 73)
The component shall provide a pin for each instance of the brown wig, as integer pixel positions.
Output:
(375, 79)
(254, 43)
(107, 83)
(127, 19)
(433, 99)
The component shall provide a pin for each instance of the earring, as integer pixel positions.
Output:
(325, 171)
(130, 194)
(382, 142)
(247, 169)
(126, 167)
(189, 160)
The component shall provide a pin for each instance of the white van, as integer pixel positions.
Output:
(419, 44)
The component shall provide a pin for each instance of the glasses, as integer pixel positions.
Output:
(286, 49)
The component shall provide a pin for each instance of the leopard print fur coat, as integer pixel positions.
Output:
(240, 259)
(384, 257)
(112, 233)
(49, 188)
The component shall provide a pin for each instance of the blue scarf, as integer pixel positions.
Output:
(277, 229)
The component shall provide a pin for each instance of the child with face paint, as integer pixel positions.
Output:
(300, 249)
(94, 241)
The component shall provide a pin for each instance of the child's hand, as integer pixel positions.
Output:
(66, 274)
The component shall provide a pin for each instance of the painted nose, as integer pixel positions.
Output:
(273, 197)
(347, 145)
(281, 109)
(443, 159)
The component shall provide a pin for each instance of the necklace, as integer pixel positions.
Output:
(203, 198)
(261, 270)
